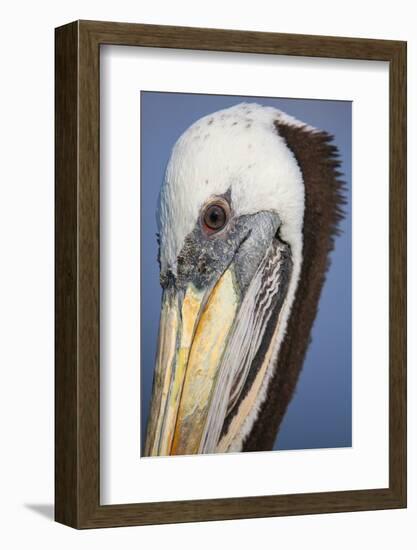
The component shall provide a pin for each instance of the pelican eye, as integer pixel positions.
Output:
(214, 217)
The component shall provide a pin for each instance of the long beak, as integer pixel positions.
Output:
(194, 329)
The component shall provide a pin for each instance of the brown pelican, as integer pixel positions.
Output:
(247, 216)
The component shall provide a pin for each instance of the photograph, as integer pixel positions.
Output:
(208, 263)
(230, 274)
(246, 273)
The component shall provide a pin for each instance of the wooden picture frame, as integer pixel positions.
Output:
(77, 382)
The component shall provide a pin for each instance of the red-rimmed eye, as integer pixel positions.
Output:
(215, 217)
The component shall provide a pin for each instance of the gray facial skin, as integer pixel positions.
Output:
(204, 258)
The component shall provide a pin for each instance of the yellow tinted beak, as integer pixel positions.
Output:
(193, 335)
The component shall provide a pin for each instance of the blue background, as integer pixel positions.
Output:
(320, 412)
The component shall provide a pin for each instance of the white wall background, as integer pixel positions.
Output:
(26, 273)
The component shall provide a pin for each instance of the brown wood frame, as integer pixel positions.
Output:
(77, 274)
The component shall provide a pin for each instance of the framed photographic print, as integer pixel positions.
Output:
(230, 274)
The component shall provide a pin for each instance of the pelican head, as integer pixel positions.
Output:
(246, 216)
